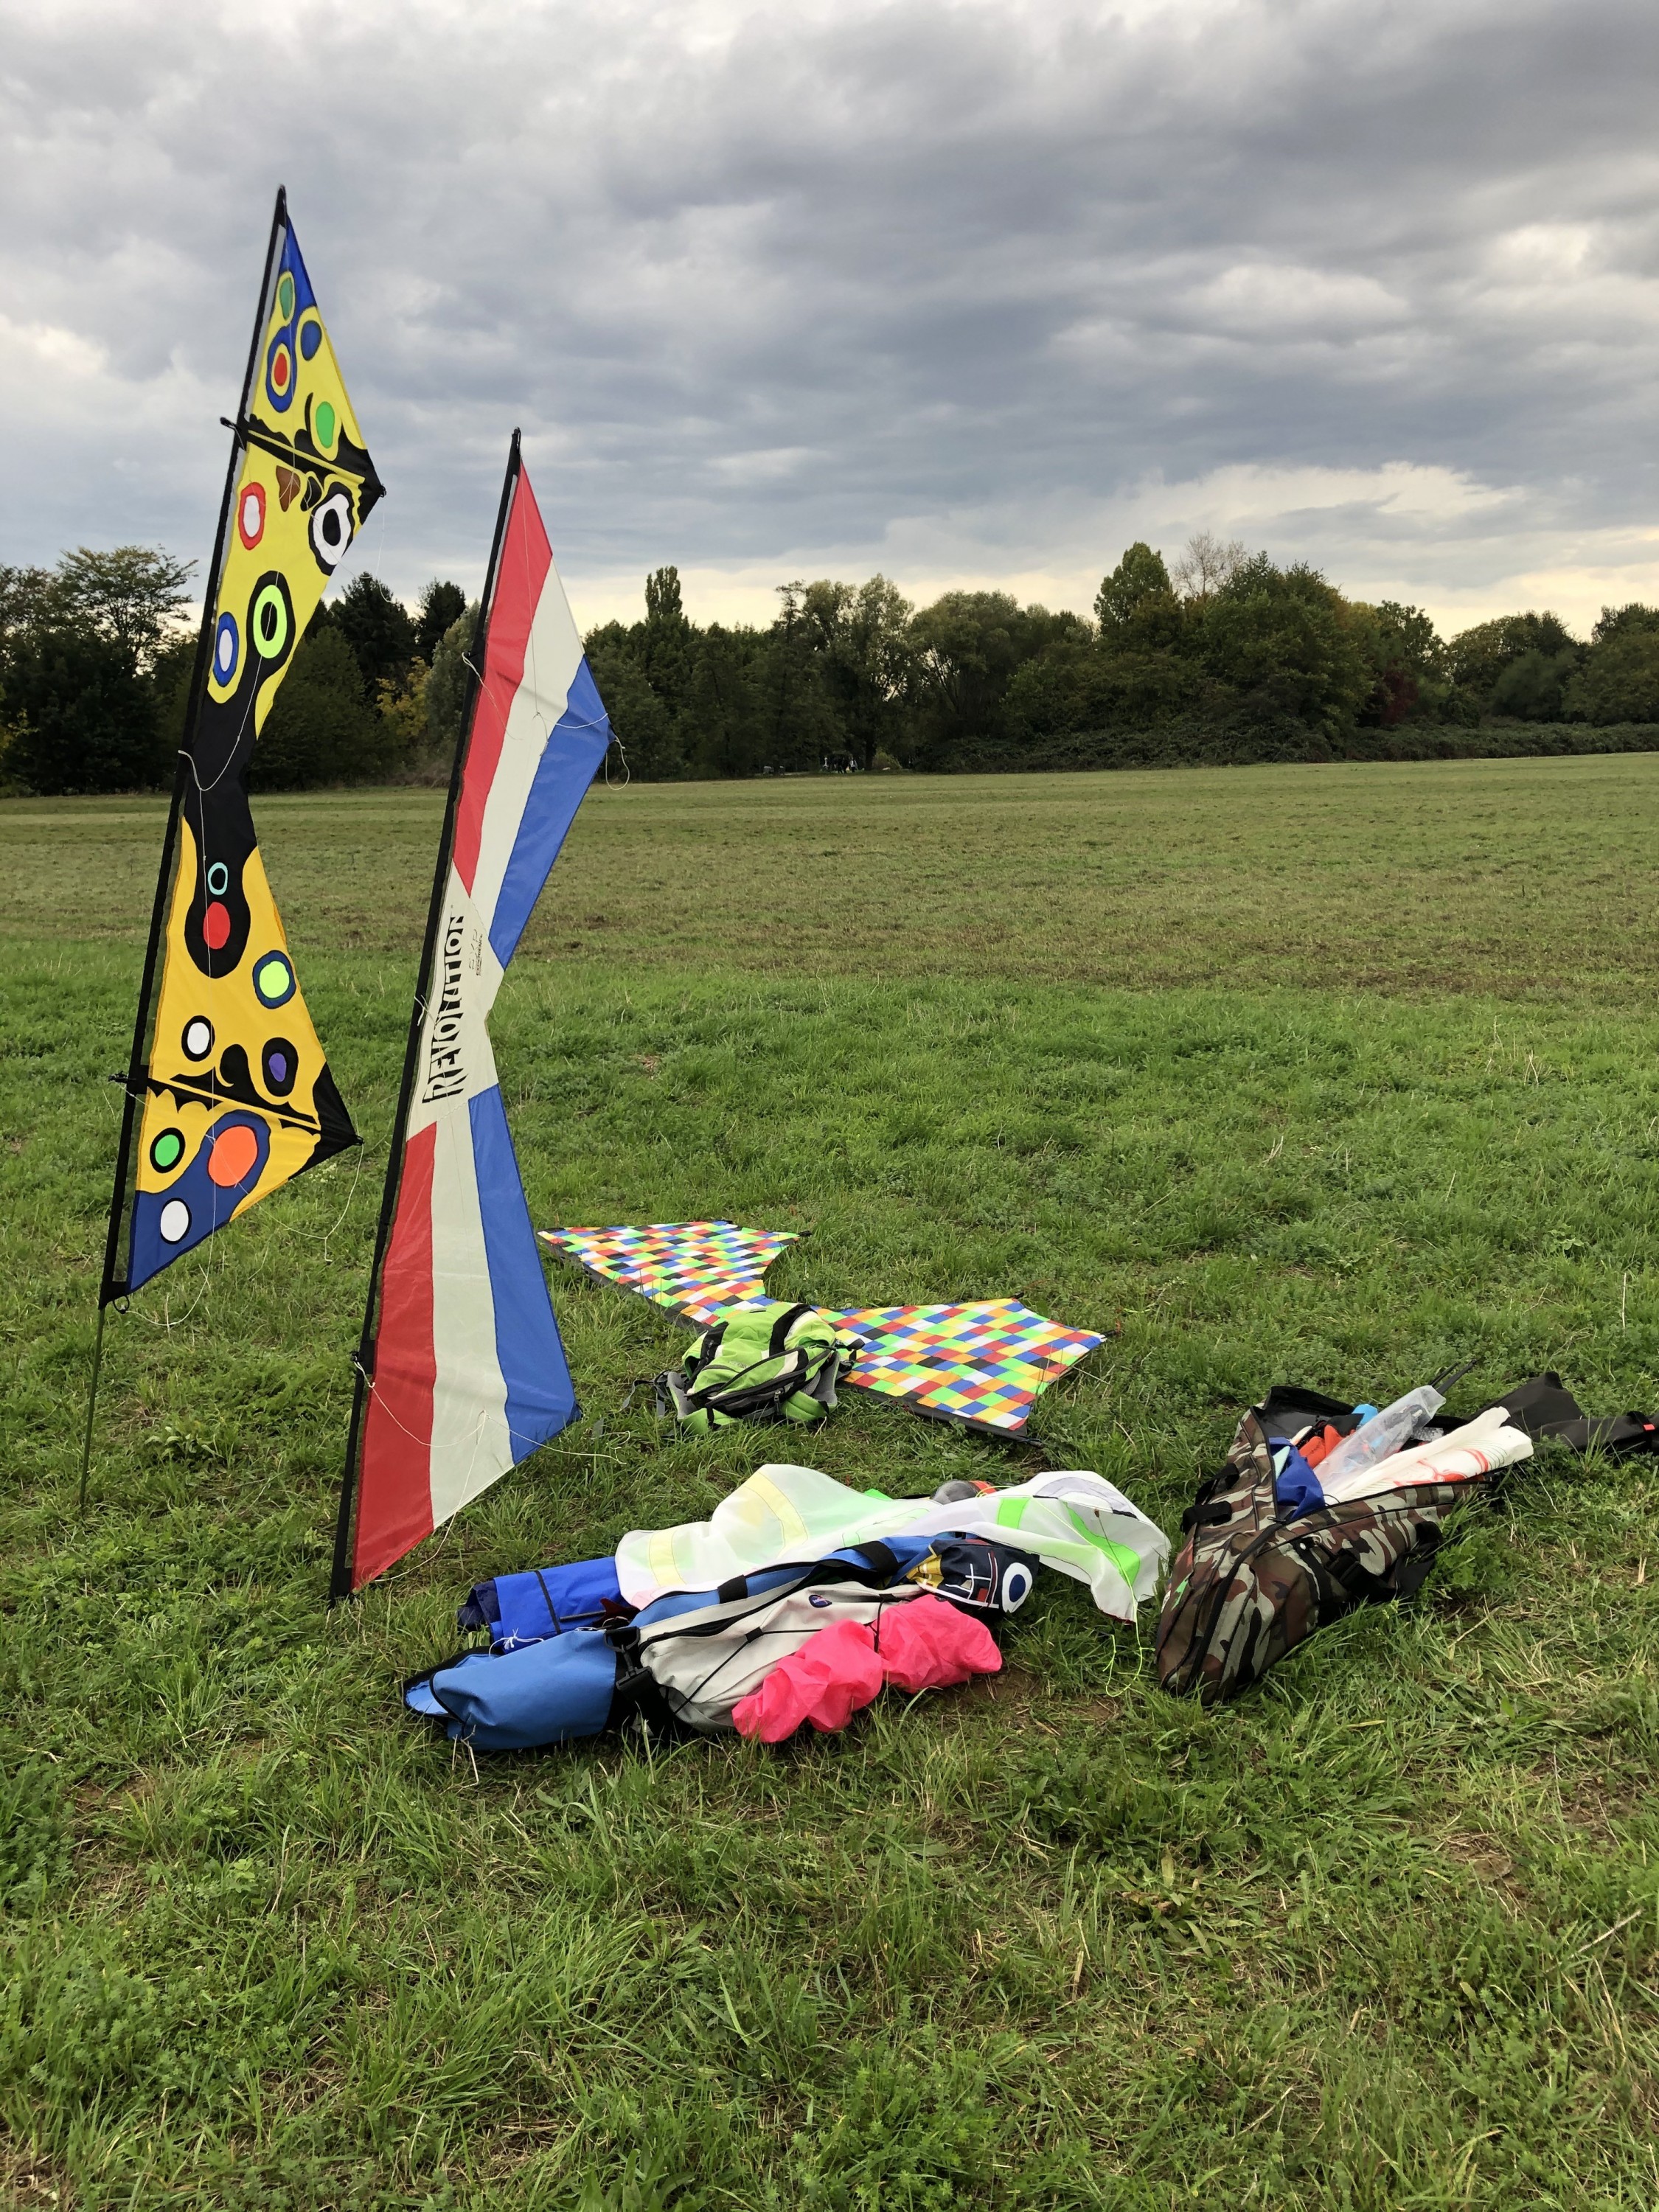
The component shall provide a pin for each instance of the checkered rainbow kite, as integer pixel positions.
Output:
(981, 1365)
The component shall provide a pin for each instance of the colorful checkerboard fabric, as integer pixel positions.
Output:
(694, 1268)
(981, 1364)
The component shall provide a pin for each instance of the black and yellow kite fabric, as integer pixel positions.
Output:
(237, 1096)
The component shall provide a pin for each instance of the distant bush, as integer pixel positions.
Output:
(1201, 745)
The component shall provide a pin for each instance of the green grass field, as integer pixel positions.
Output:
(1332, 1074)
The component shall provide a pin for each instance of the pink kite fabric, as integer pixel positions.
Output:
(929, 1645)
(833, 1675)
(923, 1645)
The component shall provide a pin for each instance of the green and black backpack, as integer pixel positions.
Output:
(765, 1361)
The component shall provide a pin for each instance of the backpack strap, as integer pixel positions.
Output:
(781, 1327)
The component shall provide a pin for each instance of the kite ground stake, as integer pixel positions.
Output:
(92, 1404)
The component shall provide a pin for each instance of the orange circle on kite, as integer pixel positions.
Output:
(233, 1153)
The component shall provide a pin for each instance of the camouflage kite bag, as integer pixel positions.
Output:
(1250, 1582)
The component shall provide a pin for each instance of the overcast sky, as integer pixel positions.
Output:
(972, 294)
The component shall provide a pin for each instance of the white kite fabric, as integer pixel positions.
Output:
(1465, 1455)
(1075, 1521)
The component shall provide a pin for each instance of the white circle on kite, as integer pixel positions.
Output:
(1016, 1588)
(175, 1221)
(198, 1037)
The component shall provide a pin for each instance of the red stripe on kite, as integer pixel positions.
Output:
(394, 1502)
(526, 556)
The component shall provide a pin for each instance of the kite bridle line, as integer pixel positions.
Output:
(137, 1064)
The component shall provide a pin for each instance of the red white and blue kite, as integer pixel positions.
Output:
(461, 1373)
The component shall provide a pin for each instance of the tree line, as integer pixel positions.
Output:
(1221, 654)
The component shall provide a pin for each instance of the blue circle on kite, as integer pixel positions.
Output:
(279, 373)
(227, 649)
(273, 979)
(311, 336)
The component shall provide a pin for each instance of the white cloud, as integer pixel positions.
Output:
(971, 290)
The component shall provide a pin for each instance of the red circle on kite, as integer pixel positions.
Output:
(216, 925)
(234, 1152)
(251, 515)
(279, 369)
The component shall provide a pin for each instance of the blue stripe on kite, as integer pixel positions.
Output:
(541, 1399)
(572, 752)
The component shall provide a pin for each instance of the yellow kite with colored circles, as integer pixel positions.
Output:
(238, 1096)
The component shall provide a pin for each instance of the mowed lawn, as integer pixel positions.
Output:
(1335, 1075)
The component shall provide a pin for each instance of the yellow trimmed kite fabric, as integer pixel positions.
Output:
(239, 1097)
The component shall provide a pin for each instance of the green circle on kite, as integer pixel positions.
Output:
(271, 979)
(285, 295)
(269, 623)
(325, 421)
(167, 1151)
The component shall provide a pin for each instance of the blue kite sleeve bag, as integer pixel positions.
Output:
(524, 1608)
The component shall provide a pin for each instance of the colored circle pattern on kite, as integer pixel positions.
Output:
(270, 622)
(279, 372)
(311, 336)
(218, 878)
(226, 649)
(280, 1066)
(216, 925)
(198, 1037)
(166, 1150)
(225, 1169)
(251, 514)
(331, 530)
(273, 979)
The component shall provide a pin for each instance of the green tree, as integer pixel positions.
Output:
(968, 646)
(725, 711)
(1533, 687)
(1138, 577)
(1409, 664)
(860, 634)
(799, 725)
(441, 607)
(82, 717)
(1279, 640)
(1618, 680)
(1477, 657)
(320, 729)
(133, 596)
(647, 737)
(80, 646)
(378, 629)
(446, 685)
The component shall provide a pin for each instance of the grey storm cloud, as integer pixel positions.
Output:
(971, 292)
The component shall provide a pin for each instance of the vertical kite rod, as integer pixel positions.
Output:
(114, 1286)
(340, 1583)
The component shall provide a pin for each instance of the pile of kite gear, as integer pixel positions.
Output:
(1321, 1508)
(793, 1604)
(981, 1365)
(760, 1361)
